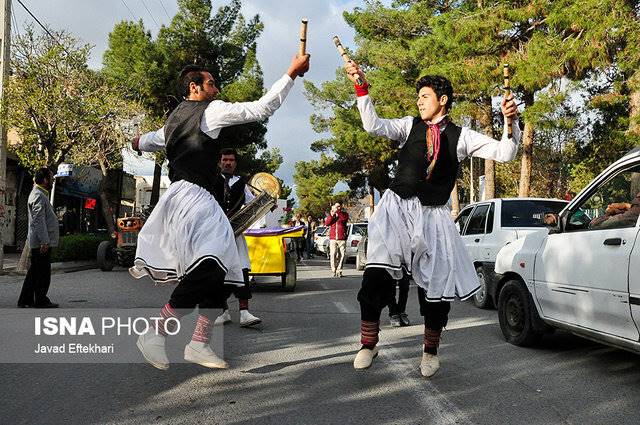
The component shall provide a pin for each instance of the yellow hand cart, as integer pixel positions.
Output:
(269, 255)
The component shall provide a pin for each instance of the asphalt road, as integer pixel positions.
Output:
(296, 367)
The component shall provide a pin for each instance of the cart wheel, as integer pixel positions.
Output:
(289, 277)
(105, 256)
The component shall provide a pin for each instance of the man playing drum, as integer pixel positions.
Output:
(232, 193)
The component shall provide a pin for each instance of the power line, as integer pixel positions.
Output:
(165, 10)
(127, 6)
(43, 27)
(39, 23)
(154, 19)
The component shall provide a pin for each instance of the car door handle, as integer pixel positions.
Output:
(614, 241)
(477, 240)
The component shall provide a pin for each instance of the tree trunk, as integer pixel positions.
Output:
(634, 113)
(155, 187)
(486, 123)
(527, 160)
(455, 202)
(104, 201)
(527, 153)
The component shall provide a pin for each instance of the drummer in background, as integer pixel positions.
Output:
(232, 193)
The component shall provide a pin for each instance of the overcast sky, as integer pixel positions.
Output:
(289, 128)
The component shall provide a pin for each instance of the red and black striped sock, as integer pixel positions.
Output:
(369, 333)
(431, 340)
(202, 333)
(164, 325)
(244, 304)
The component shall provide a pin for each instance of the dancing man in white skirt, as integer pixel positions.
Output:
(412, 228)
(188, 239)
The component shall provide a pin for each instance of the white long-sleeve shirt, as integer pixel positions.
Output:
(220, 114)
(471, 143)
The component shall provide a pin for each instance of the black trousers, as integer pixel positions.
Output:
(378, 288)
(400, 306)
(240, 292)
(36, 283)
(202, 287)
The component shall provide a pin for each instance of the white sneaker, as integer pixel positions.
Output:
(223, 319)
(202, 354)
(248, 319)
(152, 348)
(364, 358)
(429, 365)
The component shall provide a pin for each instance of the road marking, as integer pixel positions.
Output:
(341, 307)
(470, 322)
(437, 406)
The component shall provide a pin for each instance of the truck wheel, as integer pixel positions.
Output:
(482, 299)
(360, 262)
(290, 274)
(106, 257)
(519, 319)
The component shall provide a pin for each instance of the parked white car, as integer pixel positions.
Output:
(489, 225)
(356, 231)
(583, 274)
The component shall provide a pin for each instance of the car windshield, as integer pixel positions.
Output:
(528, 213)
(360, 229)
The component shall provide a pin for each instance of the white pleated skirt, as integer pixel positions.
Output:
(423, 240)
(186, 227)
(243, 252)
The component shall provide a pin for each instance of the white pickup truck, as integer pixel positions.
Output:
(489, 225)
(583, 273)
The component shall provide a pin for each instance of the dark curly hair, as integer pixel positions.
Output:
(438, 84)
(190, 74)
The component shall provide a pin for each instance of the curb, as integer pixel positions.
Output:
(56, 268)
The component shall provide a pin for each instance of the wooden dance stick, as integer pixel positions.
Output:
(302, 49)
(345, 57)
(507, 92)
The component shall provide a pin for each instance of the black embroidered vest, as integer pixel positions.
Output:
(192, 155)
(411, 175)
(235, 199)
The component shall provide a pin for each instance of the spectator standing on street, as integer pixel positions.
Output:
(299, 242)
(43, 234)
(397, 315)
(337, 222)
(312, 225)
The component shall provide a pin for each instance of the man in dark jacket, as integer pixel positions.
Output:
(337, 220)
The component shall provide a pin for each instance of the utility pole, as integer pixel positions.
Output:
(5, 43)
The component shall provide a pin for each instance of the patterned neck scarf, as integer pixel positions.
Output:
(433, 141)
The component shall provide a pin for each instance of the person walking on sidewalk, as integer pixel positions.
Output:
(43, 234)
(337, 220)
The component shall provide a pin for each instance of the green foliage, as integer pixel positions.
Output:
(78, 247)
(315, 186)
(567, 57)
(44, 95)
(222, 41)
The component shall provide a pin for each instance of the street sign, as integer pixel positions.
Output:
(65, 170)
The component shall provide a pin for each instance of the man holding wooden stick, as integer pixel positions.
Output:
(411, 230)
